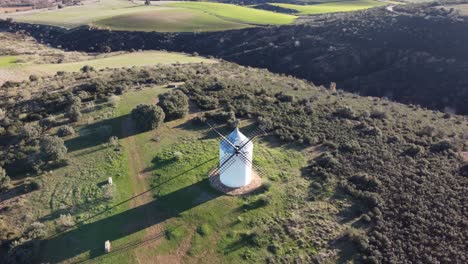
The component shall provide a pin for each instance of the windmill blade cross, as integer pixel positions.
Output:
(221, 135)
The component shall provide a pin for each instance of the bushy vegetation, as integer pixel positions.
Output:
(147, 116)
(175, 104)
(402, 177)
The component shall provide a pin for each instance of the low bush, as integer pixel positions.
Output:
(64, 131)
(204, 230)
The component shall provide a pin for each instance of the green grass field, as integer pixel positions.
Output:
(7, 61)
(238, 13)
(332, 7)
(168, 20)
(161, 17)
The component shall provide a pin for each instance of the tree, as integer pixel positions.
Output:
(74, 113)
(4, 179)
(147, 2)
(53, 148)
(29, 131)
(175, 104)
(147, 116)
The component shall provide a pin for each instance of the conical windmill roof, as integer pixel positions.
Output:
(236, 138)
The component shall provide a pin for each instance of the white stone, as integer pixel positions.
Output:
(107, 246)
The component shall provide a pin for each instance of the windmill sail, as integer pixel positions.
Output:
(236, 157)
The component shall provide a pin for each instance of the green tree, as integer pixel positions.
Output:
(175, 104)
(53, 149)
(147, 116)
(74, 113)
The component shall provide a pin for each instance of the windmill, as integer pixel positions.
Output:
(236, 168)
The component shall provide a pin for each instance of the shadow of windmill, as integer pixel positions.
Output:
(91, 237)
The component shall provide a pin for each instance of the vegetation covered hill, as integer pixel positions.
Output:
(378, 182)
(403, 55)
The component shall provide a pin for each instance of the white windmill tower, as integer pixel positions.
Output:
(236, 169)
(235, 160)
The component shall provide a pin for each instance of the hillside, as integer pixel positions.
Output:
(367, 174)
(405, 55)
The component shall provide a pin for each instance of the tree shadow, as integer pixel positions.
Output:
(91, 237)
(16, 191)
(98, 133)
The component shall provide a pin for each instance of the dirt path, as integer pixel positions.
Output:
(139, 184)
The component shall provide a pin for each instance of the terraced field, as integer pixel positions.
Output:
(332, 7)
(161, 17)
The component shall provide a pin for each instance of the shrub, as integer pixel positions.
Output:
(113, 100)
(66, 221)
(326, 161)
(33, 78)
(53, 149)
(178, 155)
(29, 131)
(266, 185)
(412, 150)
(365, 182)
(358, 238)
(345, 112)
(48, 122)
(147, 116)
(442, 145)
(175, 104)
(64, 131)
(204, 230)
(350, 146)
(34, 185)
(4, 179)
(109, 191)
(87, 68)
(378, 114)
(36, 230)
(207, 102)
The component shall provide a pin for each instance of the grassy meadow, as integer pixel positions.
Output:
(332, 7)
(181, 218)
(238, 13)
(168, 20)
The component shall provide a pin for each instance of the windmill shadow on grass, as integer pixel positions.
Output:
(91, 237)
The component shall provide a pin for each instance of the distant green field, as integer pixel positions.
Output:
(161, 17)
(238, 13)
(332, 7)
(169, 20)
